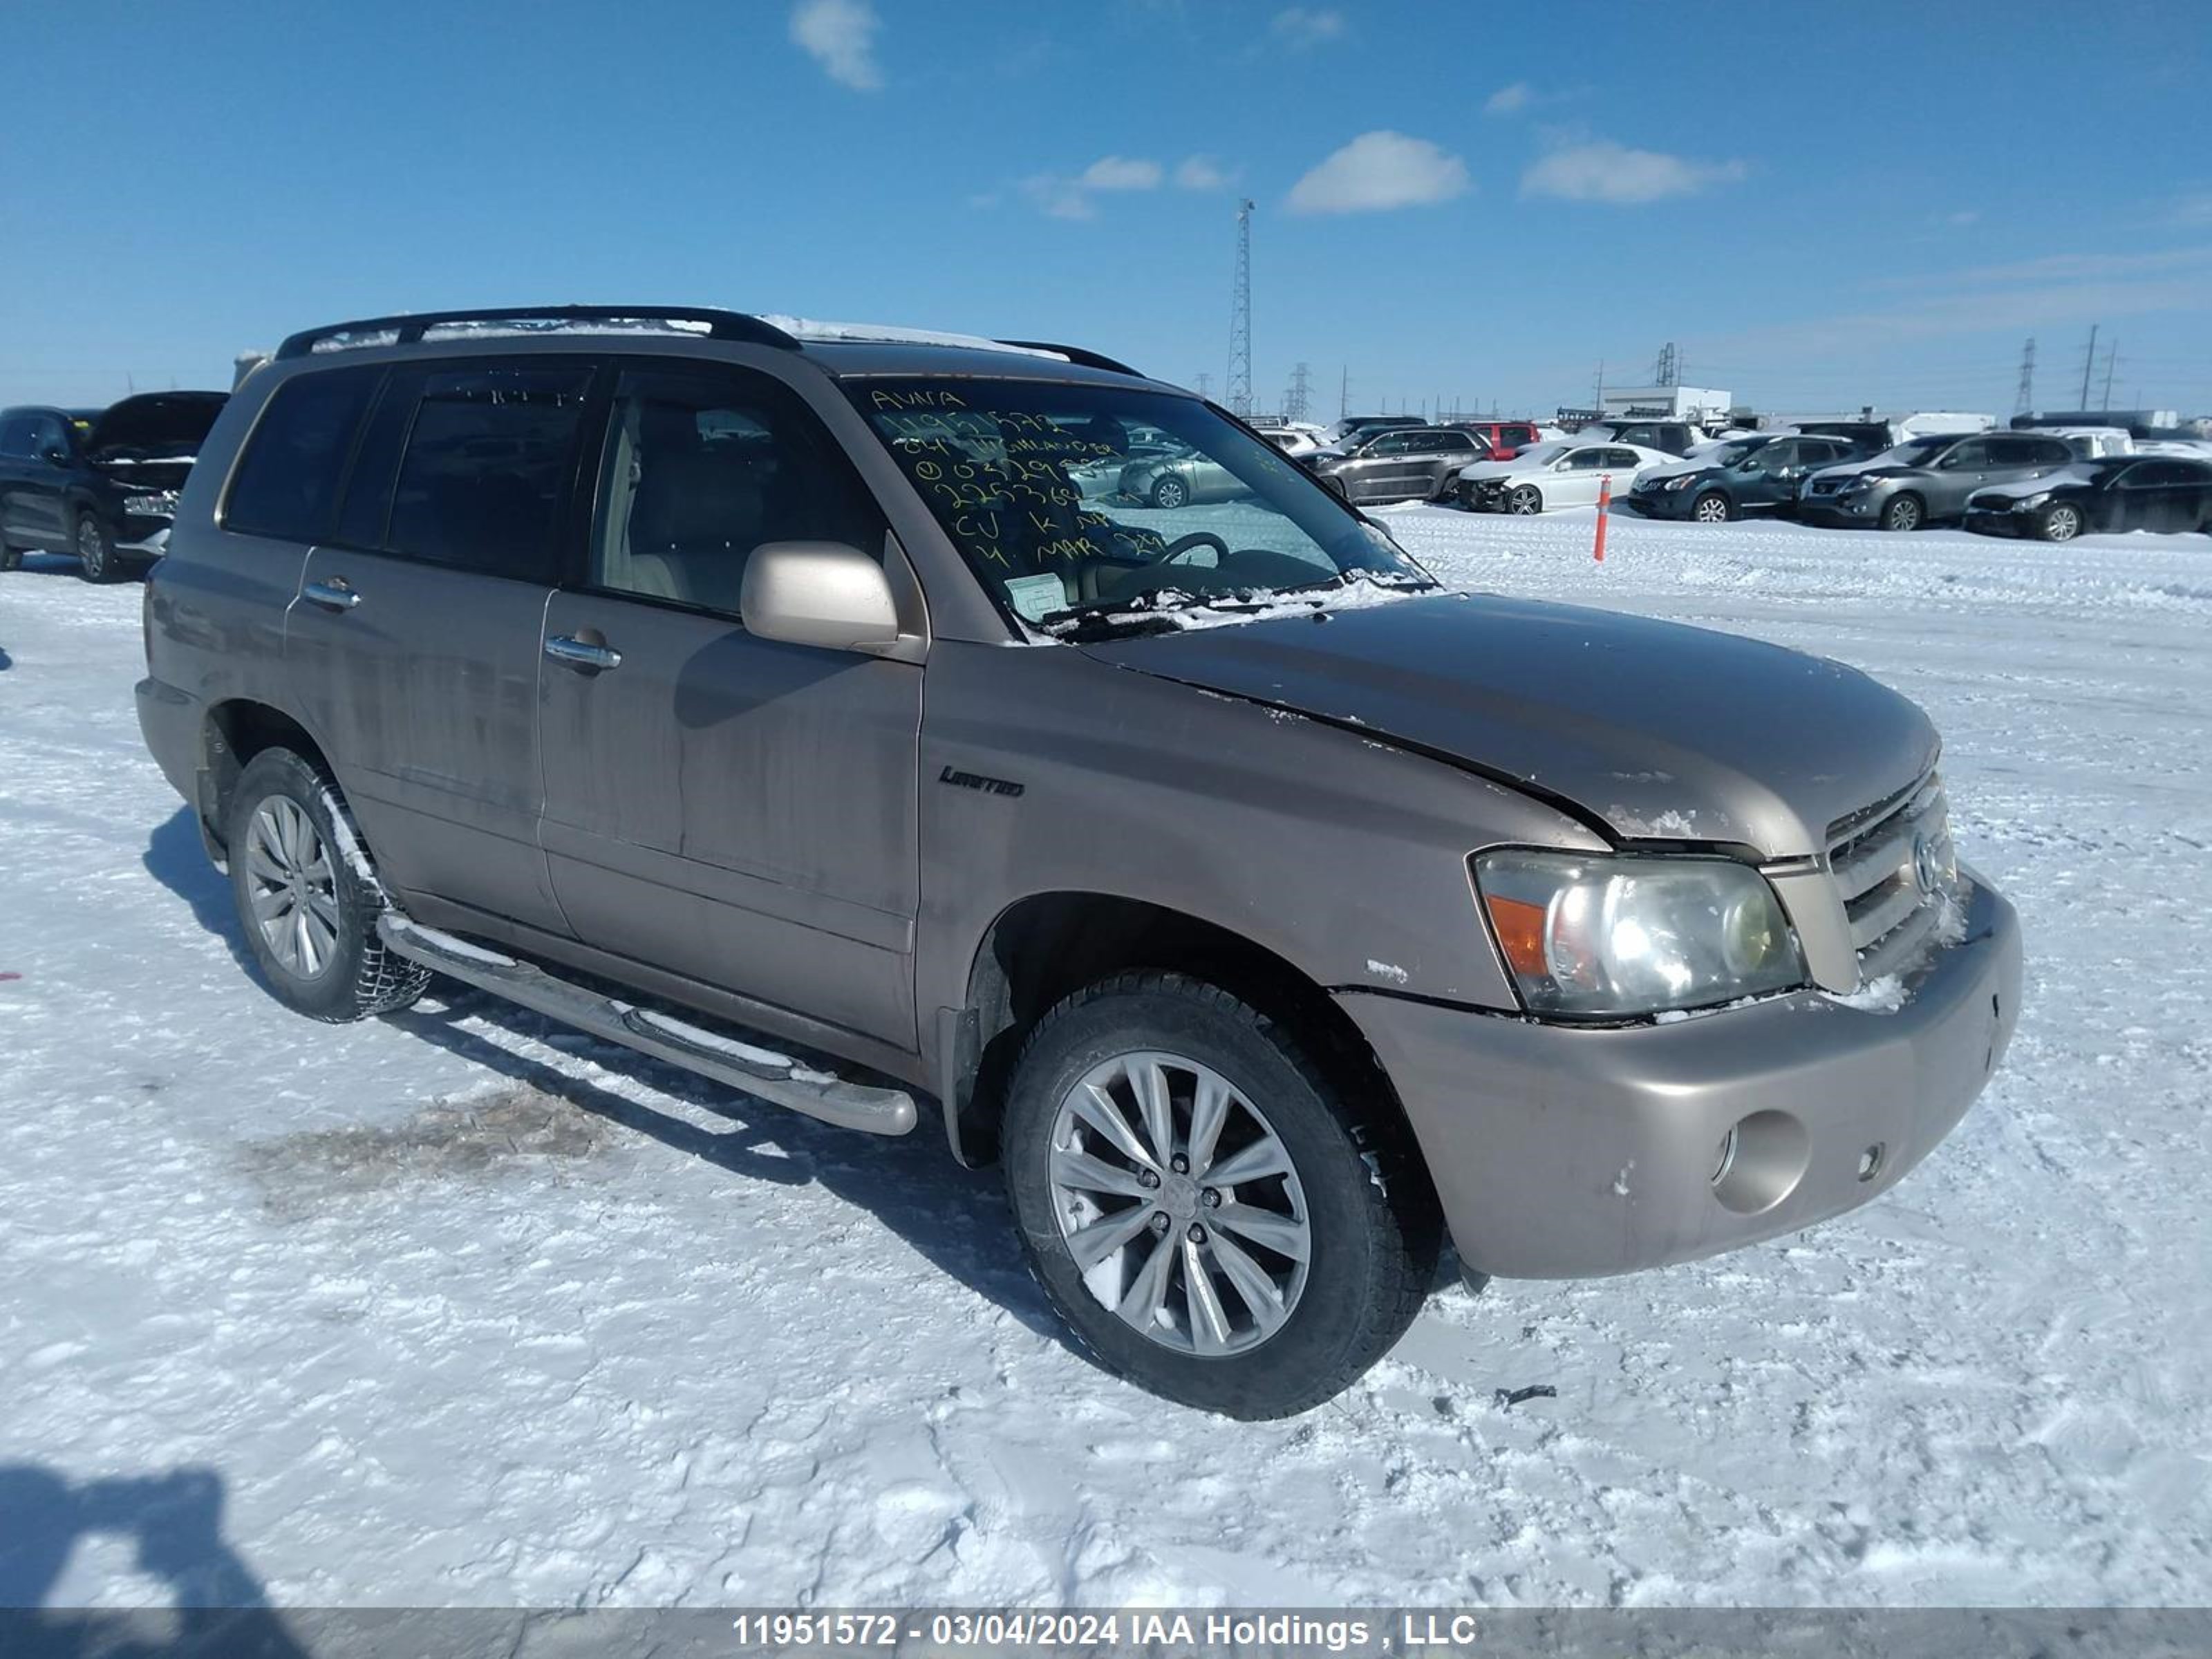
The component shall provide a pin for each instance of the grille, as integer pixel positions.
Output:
(1873, 856)
(1824, 486)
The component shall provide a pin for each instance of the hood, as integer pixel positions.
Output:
(1655, 730)
(169, 424)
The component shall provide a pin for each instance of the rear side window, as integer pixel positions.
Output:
(287, 482)
(490, 455)
(16, 436)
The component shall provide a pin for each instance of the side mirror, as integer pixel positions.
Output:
(819, 593)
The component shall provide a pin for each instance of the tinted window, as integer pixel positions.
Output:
(1967, 455)
(1517, 435)
(16, 436)
(2153, 475)
(47, 434)
(1586, 460)
(287, 482)
(2049, 451)
(486, 470)
(701, 466)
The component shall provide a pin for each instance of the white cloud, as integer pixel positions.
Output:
(1377, 171)
(1510, 100)
(841, 36)
(1201, 173)
(1606, 171)
(1059, 197)
(1120, 172)
(1301, 27)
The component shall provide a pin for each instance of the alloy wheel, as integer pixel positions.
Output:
(1713, 509)
(2061, 524)
(294, 889)
(1525, 499)
(91, 548)
(1180, 1204)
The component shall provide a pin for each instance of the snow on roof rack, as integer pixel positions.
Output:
(407, 328)
(805, 328)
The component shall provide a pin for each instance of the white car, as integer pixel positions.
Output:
(1556, 475)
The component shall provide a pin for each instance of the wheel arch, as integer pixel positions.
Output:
(1043, 947)
(234, 731)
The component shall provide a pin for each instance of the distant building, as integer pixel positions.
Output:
(1666, 402)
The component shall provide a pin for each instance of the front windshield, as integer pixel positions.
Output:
(1075, 501)
(1914, 450)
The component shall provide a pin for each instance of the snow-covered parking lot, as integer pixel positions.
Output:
(457, 1308)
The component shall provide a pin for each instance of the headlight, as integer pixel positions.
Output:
(1598, 935)
(2024, 502)
(1682, 482)
(162, 504)
(1854, 486)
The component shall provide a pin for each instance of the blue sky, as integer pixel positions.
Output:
(1473, 204)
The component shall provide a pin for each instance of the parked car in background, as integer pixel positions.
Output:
(1553, 476)
(1506, 439)
(1871, 436)
(1670, 437)
(1294, 442)
(1178, 479)
(2156, 492)
(1927, 481)
(1745, 475)
(1401, 464)
(100, 485)
(799, 819)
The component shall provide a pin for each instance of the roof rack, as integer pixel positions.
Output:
(1075, 354)
(409, 327)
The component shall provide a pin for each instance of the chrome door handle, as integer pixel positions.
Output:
(583, 655)
(335, 594)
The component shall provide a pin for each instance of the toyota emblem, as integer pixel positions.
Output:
(1927, 870)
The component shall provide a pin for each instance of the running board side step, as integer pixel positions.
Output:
(755, 1069)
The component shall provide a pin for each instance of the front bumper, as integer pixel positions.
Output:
(1864, 507)
(144, 538)
(2010, 522)
(1663, 503)
(1566, 1153)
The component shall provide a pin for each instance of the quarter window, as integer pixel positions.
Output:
(702, 467)
(487, 468)
(287, 482)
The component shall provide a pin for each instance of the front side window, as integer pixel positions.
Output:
(702, 465)
(287, 481)
(1038, 486)
(486, 470)
(16, 436)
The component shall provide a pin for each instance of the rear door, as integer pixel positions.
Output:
(414, 645)
(14, 462)
(41, 491)
(731, 809)
(2160, 495)
(1957, 474)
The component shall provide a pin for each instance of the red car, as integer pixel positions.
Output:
(1506, 439)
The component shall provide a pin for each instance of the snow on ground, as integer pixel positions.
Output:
(459, 1308)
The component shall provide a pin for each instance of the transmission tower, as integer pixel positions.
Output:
(1344, 393)
(1668, 369)
(1298, 399)
(1240, 317)
(1204, 384)
(2023, 400)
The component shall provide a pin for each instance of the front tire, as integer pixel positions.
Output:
(309, 910)
(95, 548)
(1904, 513)
(1524, 500)
(2060, 523)
(11, 558)
(1712, 508)
(1197, 1198)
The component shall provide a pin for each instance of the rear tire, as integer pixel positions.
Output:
(1904, 513)
(1525, 499)
(95, 548)
(1171, 493)
(1369, 1231)
(308, 912)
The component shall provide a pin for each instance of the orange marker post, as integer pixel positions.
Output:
(1604, 506)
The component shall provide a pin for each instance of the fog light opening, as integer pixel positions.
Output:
(1870, 1161)
(1762, 1158)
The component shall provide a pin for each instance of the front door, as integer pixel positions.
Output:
(731, 809)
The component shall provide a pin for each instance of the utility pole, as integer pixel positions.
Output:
(1600, 403)
(1344, 393)
(2088, 362)
(2112, 355)
(2023, 400)
(1240, 317)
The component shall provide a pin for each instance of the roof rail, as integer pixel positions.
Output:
(1076, 355)
(408, 327)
